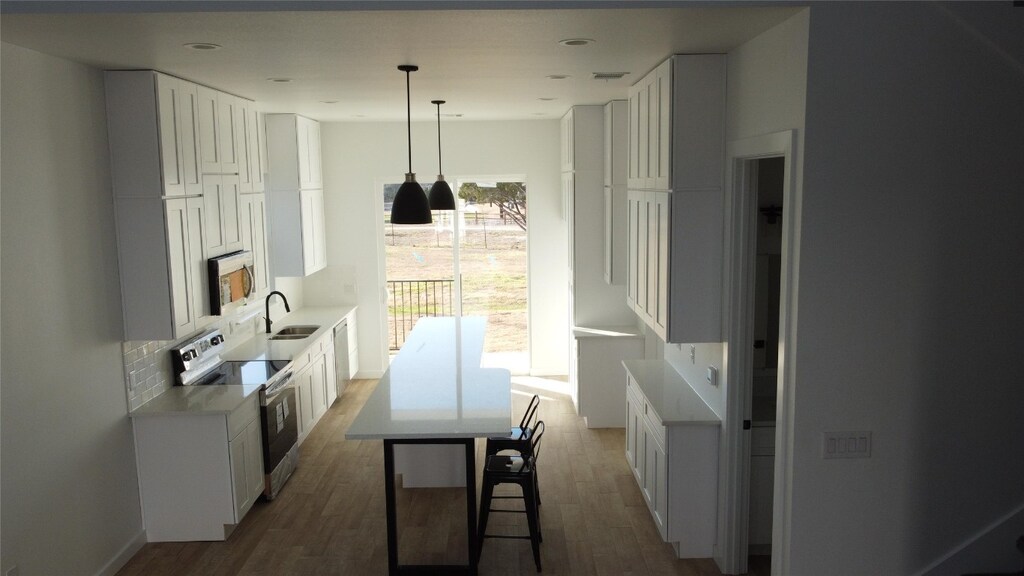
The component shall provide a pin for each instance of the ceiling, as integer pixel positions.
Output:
(487, 64)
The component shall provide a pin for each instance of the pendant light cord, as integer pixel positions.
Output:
(408, 116)
(439, 171)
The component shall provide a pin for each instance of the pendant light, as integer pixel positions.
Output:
(410, 205)
(440, 197)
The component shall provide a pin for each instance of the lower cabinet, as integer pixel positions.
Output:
(676, 468)
(313, 381)
(596, 372)
(199, 473)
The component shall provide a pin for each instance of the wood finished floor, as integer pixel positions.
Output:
(329, 518)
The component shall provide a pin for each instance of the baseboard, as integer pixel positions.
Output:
(369, 375)
(124, 555)
(992, 549)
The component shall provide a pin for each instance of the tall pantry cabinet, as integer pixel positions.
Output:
(176, 199)
(675, 199)
(296, 196)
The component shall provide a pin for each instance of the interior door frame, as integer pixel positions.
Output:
(740, 252)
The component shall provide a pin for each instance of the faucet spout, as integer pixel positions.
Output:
(266, 312)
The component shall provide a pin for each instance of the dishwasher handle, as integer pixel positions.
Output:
(281, 385)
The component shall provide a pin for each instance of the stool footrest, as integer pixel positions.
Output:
(506, 537)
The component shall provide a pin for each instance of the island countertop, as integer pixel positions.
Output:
(435, 387)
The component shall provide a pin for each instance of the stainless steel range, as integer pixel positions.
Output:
(197, 362)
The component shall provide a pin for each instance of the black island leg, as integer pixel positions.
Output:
(394, 569)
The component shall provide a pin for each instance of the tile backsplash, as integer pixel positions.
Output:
(147, 363)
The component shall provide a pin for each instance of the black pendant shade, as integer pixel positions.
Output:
(440, 197)
(410, 205)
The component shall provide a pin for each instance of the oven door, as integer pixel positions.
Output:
(279, 415)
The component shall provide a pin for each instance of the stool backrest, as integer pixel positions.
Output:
(538, 432)
(528, 416)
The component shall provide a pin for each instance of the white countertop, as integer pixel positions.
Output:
(196, 400)
(260, 348)
(606, 332)
(435, 387)
(224, 399)
(670, 395)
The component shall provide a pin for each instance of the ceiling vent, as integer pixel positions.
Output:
(609, 75)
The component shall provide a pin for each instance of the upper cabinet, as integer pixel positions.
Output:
(677, 125)
(293, 152)
(295, 198)
(675, 212)
(616, 150)
(568, 150)
(222, 135)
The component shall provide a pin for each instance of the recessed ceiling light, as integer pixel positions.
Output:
(576, 41)
(279, 80)
(328, 101)
(546, 99)
(558, 76)
(202, 46)
(609, 75)
(359, 115)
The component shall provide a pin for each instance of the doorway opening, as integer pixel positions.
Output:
(468, 262)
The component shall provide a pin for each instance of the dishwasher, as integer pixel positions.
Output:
(341, 356)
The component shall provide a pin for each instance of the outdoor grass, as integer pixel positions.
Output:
(493, 267)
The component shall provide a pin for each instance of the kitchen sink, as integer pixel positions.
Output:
(294, 333)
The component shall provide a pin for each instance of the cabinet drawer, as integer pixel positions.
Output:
(242, 416)
(654, 422)
(301, 360)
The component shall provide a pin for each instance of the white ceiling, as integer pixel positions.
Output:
(487, 64)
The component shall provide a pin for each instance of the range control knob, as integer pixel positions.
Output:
(216, 340)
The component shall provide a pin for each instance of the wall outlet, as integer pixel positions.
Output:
(712, 377)
(693, 354)
(845, 445)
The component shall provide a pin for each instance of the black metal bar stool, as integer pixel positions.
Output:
(521, 470)
(519, 438)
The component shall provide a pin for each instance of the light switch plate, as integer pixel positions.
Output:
(845, 445)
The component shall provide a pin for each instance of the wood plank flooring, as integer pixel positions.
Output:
(329, 518)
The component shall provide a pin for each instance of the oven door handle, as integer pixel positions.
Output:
(282, 384)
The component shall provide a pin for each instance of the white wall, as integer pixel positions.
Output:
(910, 301)
(358, 156)
(70, 494)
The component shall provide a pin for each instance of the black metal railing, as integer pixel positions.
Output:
(410, 300)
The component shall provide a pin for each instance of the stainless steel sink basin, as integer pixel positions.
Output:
(294, 333)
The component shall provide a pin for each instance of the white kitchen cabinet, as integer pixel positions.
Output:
(315, 373)
(220, 131)
(568, 142)
(242, 120)
(199, 473)
(592, 301)
(616, 127)
(596, 382)
(332, 384)
(254, 238)
(246, 452)
(353, 350)
(256, 149)
(295, 199)
(676, 463)
(222, 198)
(152, 123)
(675, 210)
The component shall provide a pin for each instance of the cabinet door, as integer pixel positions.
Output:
(256, 149)
(209, 130)
(634, 438)
(304, 392)
(333, 385)
(655, 481)
(169, 121)
(568, 153)
(657, 260)
(254, 238)
(663, 176)
(318, 388)
(178, 257)
(642, 250)
(633, 159)
(213, 193)
(302, 138)
(314, 242)
(254, 459)
(239, 487)
(230, 212)
(191, 156)
(643, 134)
(633, 201)
(315, 171)
(242, 129)
(227, 117)
(197, 254)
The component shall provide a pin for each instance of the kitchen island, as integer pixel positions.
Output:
(436, 393)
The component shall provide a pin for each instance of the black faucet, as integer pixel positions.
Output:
(266, 315)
